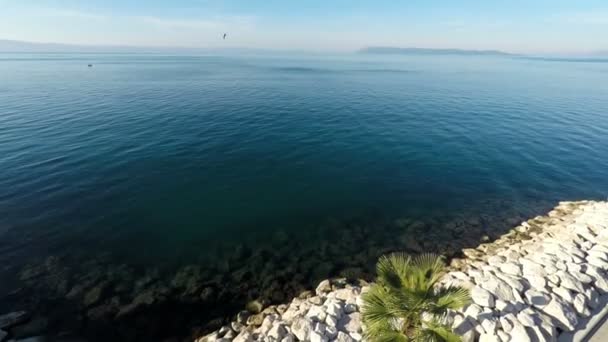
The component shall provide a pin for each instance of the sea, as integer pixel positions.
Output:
(167, 191)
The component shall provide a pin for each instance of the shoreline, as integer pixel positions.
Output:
(542, 280)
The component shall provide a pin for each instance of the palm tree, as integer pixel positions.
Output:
(407, 305)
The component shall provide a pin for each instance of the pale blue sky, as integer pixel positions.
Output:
(511, 25)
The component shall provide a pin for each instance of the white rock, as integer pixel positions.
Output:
(244, 336)
(504, 306)
(519, 333)
(301, 328)
(489, 325)
(537, 282)
(489, 338)
(506, 322)
(316, 313)
(335, 309)
(356, 336)
(331, 321)
(570, 282)
(350, 323)
(504, 337)
(526, 319)
(350, 308)
(288, 338)
(593, 299)
(537, 299)
(316, 337)
(553, 280)
(331, 332)
(466, 330)
(530, 267)
(347, 295)
(496, 260)
(511, 268)
(277, 331)
(342, 337)
(482, 297)
(562, 312)
(514, 282)
(580, 305)
(323, 287)
(564, 294)
(597, 262)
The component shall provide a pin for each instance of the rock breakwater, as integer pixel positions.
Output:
(535, 283)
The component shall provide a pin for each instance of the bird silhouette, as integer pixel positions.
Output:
(225, 36)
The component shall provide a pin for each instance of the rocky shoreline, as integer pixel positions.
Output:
(534, 283)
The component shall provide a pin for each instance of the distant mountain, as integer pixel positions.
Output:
(423, 51)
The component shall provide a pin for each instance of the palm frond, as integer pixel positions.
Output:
(451, 298)
(435, 332)
(429, 269)
(393, 269)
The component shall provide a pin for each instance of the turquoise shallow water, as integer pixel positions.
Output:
(150, 159)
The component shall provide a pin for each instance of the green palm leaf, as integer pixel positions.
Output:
(406, 289)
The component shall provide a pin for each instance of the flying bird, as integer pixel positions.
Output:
(225, 34)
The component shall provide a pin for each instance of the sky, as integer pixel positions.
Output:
(520, 26)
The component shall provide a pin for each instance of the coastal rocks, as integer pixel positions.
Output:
(530, 284)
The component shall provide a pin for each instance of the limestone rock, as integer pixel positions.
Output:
(562, 312)
(323, 288)
(342, 337)
(350, 323)
(301, 328)
(482, 297)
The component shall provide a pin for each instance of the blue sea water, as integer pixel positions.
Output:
(150, 157)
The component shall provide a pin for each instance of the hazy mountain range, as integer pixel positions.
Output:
(387, 50)
(33, 47)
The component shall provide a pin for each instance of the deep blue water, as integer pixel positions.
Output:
(150, 157)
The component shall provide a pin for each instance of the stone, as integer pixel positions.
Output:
(255, 320)
(597, 262)
(316, 300)
(498, 288)
(316, 337)
(466, 330)
(331, 332)
(316, 313)
(347, 295)
(289, 338)
(537, 299)
(334, 309)
(519, 333)
(593, 299)
(489, 325)
(301, 328)
(564, 293)
(526, 319)
(504, 337)
(277, 331)
(537, 282)
(350, 323)
(496, 260)
(13, 318)
(506, 322)
(482, 297)
(323, 287)
(569, 282)
(473, 310)
(504, 306)
(489, 338)
(243, 336)
(580, 305)
(511, 268)
(562, 312)
(350, 308)
(530, 267)
(342, 337)
(331, 321)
